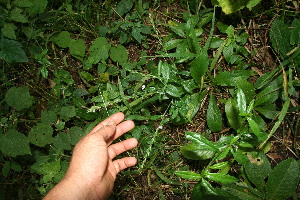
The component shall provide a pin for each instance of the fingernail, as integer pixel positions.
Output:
(109, 123)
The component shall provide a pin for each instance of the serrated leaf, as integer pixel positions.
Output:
(124, 7)
(62, 141)
(232, 114)
(221, 178)
(41, 135)
(19, 98)
(188, 175)
(14, 143)
(283, 180)
(77, 48)
(199, 66)
(75, 134)
(258, 169)
(196, 152)
(67, 112)
(280, 37)
(99, 50)
(48, 169)
(213, 117)
(12, 51)
(8, 30)
(63, 39)
(48, 117)
(119, 54)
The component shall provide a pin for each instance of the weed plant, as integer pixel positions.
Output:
(213, 120)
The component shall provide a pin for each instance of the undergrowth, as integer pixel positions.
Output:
(213, 87)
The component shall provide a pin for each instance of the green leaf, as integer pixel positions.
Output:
(99, 50)
(48, 117)
(188, 175)
(6, 168)
(241, 101)
(14, 143)
(17, 16)
(200, 140)
(283, 180)
(124, 7)
(247, 88)
(11, 51)
(268, 110)
(252, 3)
(19, 98)
(280, 37)
(23, 3)
(75, 134)
(77, 48)
(171, 44)
(258, 169)
(62, 141)
(227, 78)
(41, 135)
(8, 30)
(199, 66)
(254, 127)
(295, 32)
(196, 152)
(173, 90)
(164, 71)
(232, 114)
(38, 8)
(221, 178)
(231, 6)
(63, 39)
(48, 169)
(213, 117)
(119, 54)
(67, 112)
(241, 192)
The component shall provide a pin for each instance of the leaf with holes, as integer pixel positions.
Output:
(41, 135)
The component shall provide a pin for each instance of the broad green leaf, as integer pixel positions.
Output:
(241, 192)
(17, 15)
(87, 76)
(164, 71)
(62, 141)
(241, 100)
(280, 37)
(247, 88)
(23, 3)
(48, 117)
(63, 39)
(173, 90)
(227, 78)
(268, 110)
(99, 50)
(177, 28)
(67, 112)
(200, 140)
(268, 95)
(199, 66)
(239, 156)
(119, 54)
(188, 175)
(124, 7)
(14, 143)
(38, 8)
(258, 169)
(252, 3)
(19, 98)
(220, 165)
(8, 30)
(41, 135)
(221, 178)
(213, 117)
(171, 44)
(231, 6)
(295, 32)
(77, 48)
(6, 168)
(196, 152)
(12, 51)
(283, 180)
(65, 76)
(232, 114)
(48, 169)
(253, 126)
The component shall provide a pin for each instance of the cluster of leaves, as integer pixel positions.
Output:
(44, 130)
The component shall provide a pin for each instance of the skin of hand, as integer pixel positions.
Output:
(92, 170)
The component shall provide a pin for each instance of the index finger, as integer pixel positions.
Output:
(117, 118)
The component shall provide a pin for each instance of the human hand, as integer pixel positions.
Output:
(92, 171)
